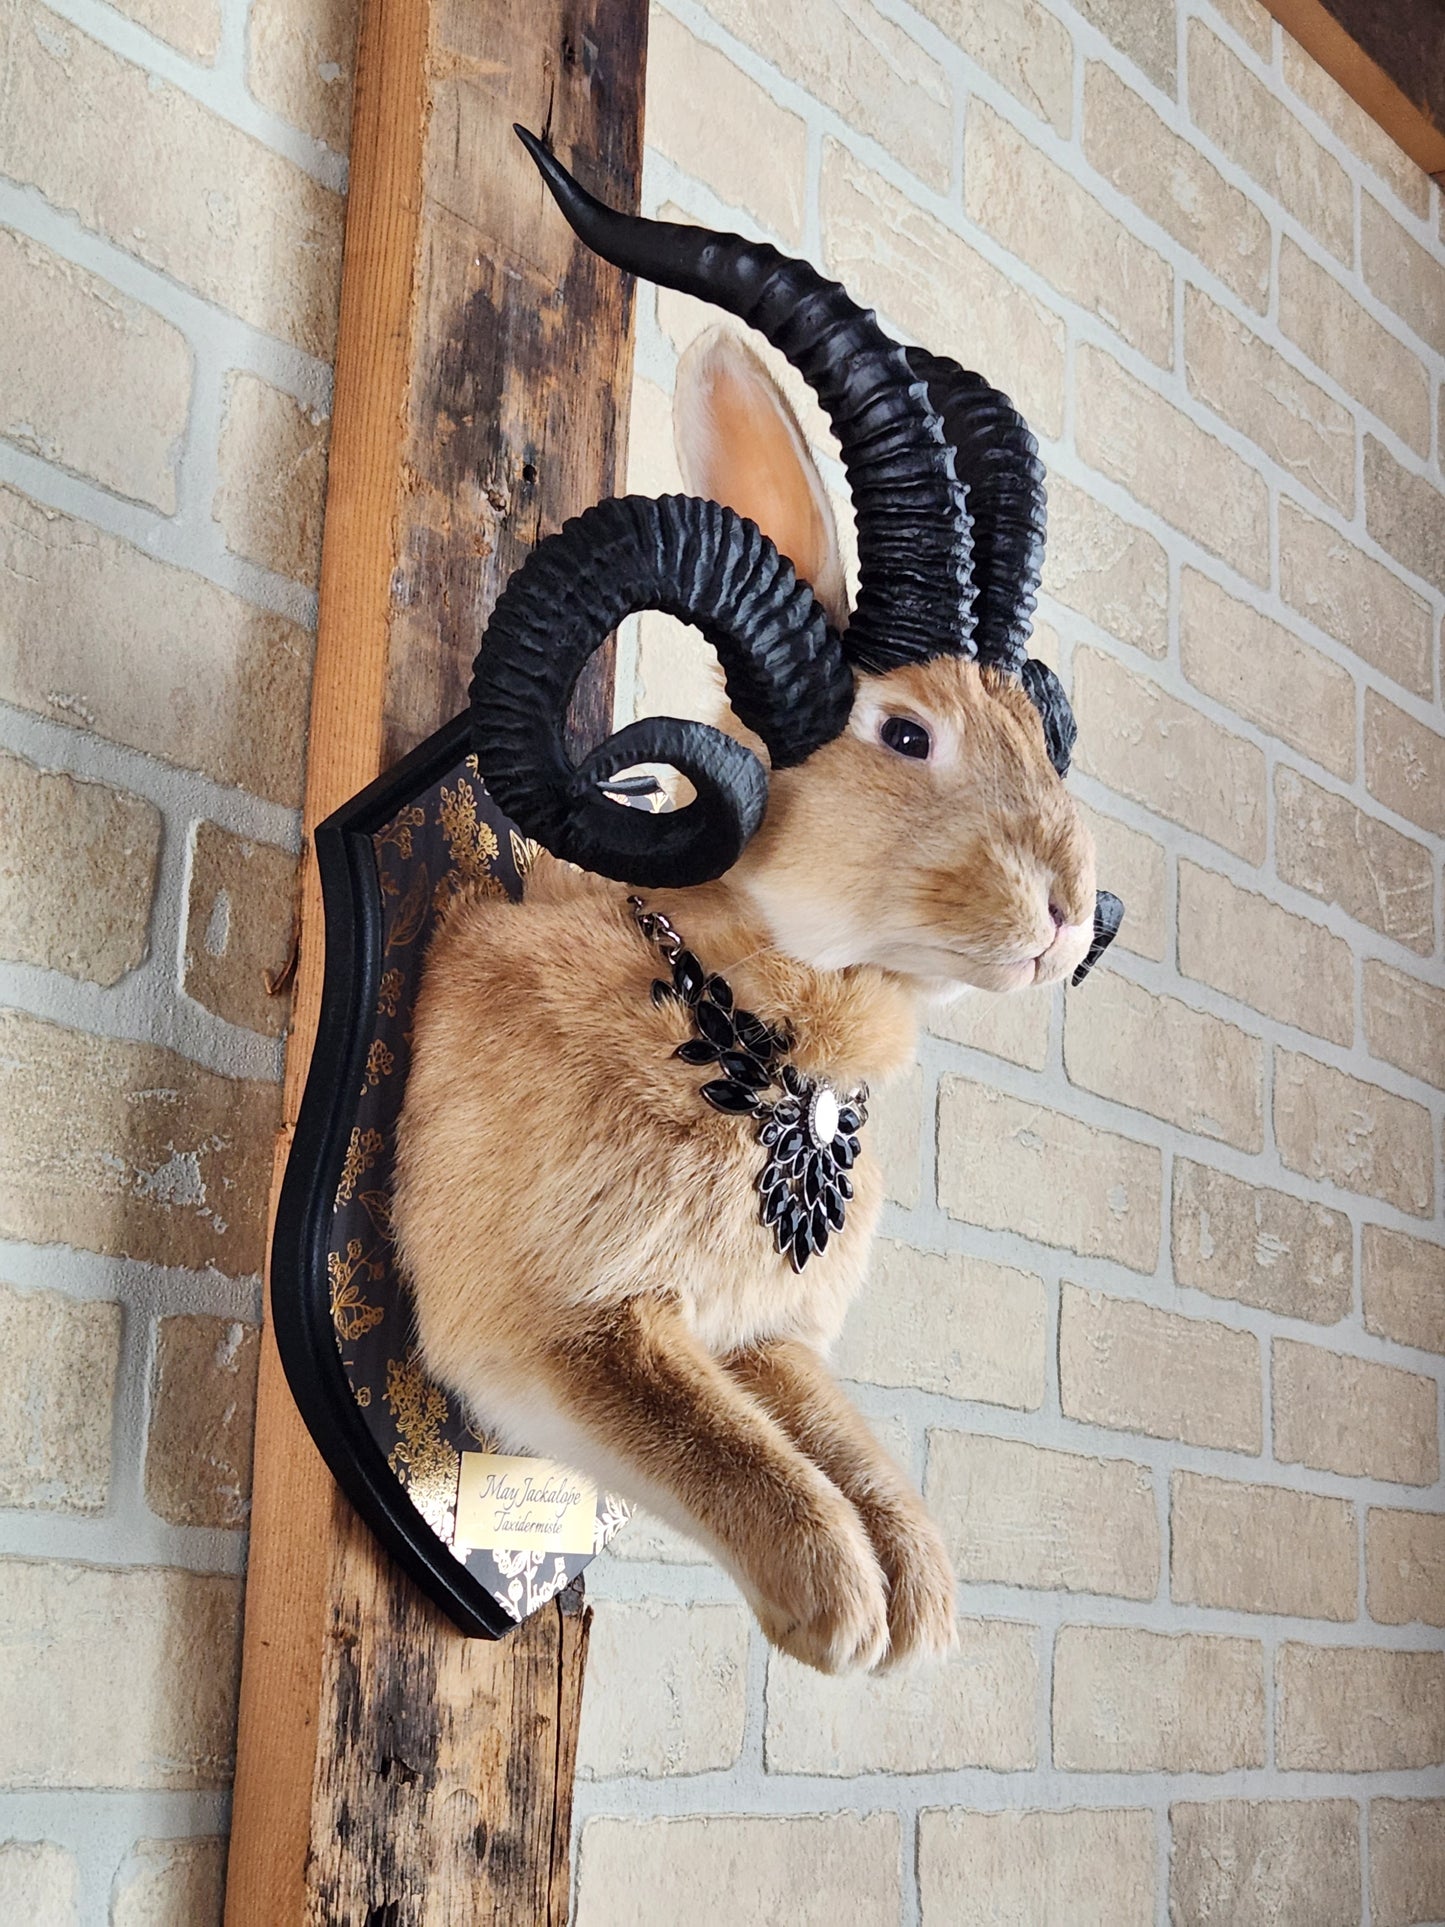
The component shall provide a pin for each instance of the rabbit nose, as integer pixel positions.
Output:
(1057, 914)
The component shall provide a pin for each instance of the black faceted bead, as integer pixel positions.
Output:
(746, 1070)
(697, 1050)
(855, 1147)
(662, 992)
(772, 1132)
(688, 975)
(794, 1080)
(773, 1202)
(787, 1111)
(802, 1244)
(845, 1186)
(833, 1205)
(818, 1226)
(731, 1098)
(812, 1184)
(715, 1025)
(790, 1145)
(844, 1152)
(753, 1033)
(848, 1119)
(721, 992)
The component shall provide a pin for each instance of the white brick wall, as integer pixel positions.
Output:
(1201, 1197)
(170, 225)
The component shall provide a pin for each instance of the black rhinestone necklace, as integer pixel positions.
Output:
(810, 1131)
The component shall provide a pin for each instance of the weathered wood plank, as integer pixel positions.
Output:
(389, 1772)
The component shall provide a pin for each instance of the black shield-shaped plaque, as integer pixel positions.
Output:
(490, 1538)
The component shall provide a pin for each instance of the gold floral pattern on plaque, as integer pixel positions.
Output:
(350, 1313)
(362, 1152)
(380, 1062)
(422, 1458)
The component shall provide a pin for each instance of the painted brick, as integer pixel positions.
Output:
(169, 181)
(58, 1360)
(1110, 571)
(1324, 845)
(975, 1709)
(1146, 744)
(1090, 1866)
(1405, 513)
(1408, 279)
(1357, 129)
(163, 1161)
(1355, 599)
(239, 918)
(1047, 1176)
(170, 1883)
(1240, 115)
(1356, 1709)
(895, 1120)
(116, 1676)
(1035, 210)
(90, 380)
(149, 656)
(1170, 464)
(1405, 1567)
(1128, 1701)
(648, 1538)
(272, 479)
(720, 1869)
(1145, 34)
(202, 1417)
(1265, 1863)
(1250, 21)
(1256, 667)
(299, 63)
(954, 1325)
(77, 873)
(1354, 350)
(1353, 1416)
(1403, 1287)
(1157, 1055)
(1332, 1126)
(1131, 1367)
(1174, 185)
(1015, 1027)
(1025, 49)
(913, 269)
(1252, 387)
(1404, 764)
(192, 27)
(856, 61)
(1405, 1021)
(683, 1712)
(1407, 1862)
(1262, 1549)
(39, 1884)
(1131, 864)
(1015, 1514)
(719, 126)
(1252, 949)
(1238, 1240)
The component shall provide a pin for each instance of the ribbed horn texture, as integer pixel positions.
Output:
(1108, 915)
(997, 459)
(787, 680)
(916, 595)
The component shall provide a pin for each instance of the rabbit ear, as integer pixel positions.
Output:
(739, 443)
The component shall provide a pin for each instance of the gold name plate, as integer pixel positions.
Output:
(515, 1505)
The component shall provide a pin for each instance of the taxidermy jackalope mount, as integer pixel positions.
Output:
(633, 1191)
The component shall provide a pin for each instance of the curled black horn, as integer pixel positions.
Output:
(916, 592)
(1108, 915)
(997, 459)
(787, 680)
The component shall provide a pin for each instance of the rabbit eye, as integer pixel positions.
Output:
(908, 738)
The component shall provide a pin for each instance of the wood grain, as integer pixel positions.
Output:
(390, 1773)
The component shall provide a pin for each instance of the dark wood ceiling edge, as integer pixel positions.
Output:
(1408, 122)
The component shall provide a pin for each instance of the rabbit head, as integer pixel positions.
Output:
(912, 812)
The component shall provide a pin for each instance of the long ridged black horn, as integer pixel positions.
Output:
(915, 597)
(787, 680)
(997, 459)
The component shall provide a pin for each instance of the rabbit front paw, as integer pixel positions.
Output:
(827, 1600)
(920, 1583)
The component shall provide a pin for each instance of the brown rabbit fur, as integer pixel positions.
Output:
(581, 1231)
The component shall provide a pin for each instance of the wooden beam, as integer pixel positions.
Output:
(1390, 58)
(390, 1773)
